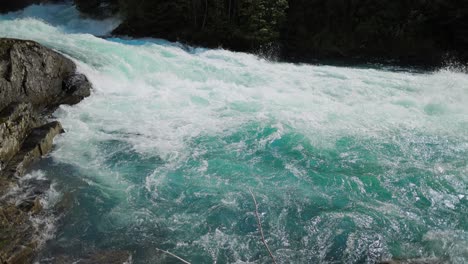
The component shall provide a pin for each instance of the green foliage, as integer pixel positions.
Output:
(419, 31)
(262, 19)
(403, 30)
(239, 24)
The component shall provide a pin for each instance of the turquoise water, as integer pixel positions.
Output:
(348, 165)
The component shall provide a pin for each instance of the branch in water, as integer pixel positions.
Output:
(260, 227)
(173, 255)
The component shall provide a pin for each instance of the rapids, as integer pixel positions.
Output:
(349, 165)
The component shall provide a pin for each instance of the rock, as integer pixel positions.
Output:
(76, 88)
(37, 144)
(37, 206)
(30, 204)
(32, 191)
(23, 254)
(16, 121)
(65, 204)
(34, 81)
(16, 236)
(34, 74)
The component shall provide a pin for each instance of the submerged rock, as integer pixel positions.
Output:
(34, 81)
(76, 88)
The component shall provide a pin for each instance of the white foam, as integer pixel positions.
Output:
(160, 99)
(66, 17)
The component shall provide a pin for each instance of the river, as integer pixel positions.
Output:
(348, 165)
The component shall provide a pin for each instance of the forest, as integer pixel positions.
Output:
(415, 32)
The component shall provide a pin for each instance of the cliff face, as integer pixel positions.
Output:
(34, 81)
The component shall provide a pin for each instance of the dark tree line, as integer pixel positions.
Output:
(237, 24)
(413, 31)
(405, 31)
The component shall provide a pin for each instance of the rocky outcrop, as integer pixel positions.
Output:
(34, 74)
(37, 144)
(34, 81)
(16, 121)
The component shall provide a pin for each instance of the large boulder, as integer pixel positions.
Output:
(34, 74)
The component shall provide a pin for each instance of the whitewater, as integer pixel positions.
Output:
(348, 165)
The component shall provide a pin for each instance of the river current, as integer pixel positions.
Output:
(348, 165)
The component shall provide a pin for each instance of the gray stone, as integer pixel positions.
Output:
(16, 122)
(76, 88)
(35, 74)
(37, 144)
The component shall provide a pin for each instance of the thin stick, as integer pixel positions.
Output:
(175, 256)
(260, 227)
